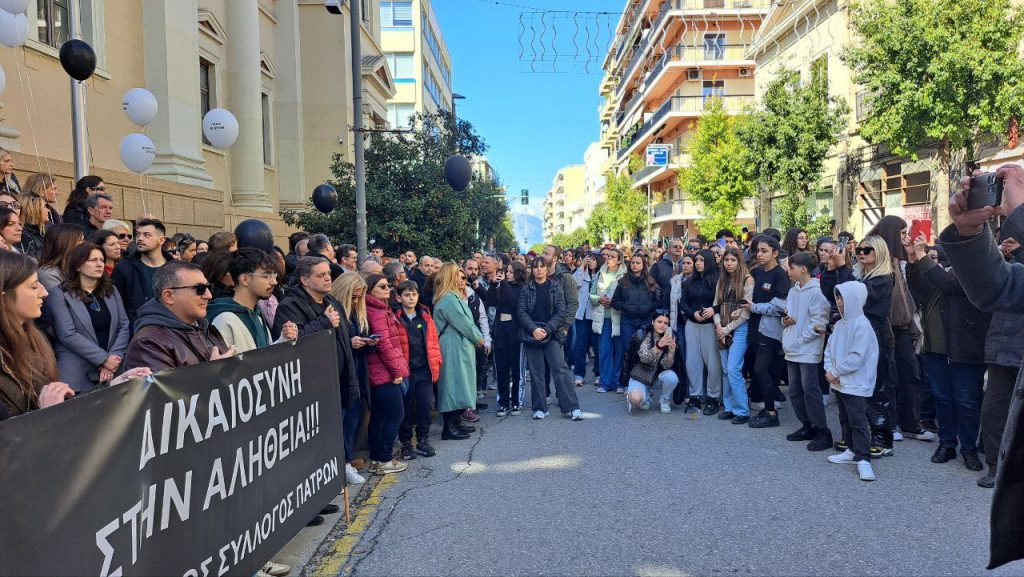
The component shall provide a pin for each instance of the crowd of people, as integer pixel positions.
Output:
(882, 326)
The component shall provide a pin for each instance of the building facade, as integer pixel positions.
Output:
(280, 66)
(418, 56)
(564, 202)
(668, 59)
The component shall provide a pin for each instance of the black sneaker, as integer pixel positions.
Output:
(693, 405)
(408, 452)
(725, 415)
(710, 407)
(780, 397)
(878, 451)
(988, 480)
(804, 433)
(929, 425)
(740, 420)
(502, 411)
(515, 412)
(944, 454)
(764, 420)
(426, 449)
(971, 461)
(821, 441)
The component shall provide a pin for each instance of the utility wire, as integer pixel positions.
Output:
(546, 10)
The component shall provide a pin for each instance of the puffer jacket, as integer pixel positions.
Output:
(433, 341)
(527, 299)
(389, 359)
(644, 362)
(504, 297)
(634, 299)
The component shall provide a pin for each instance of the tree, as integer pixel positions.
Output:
(626, 211)
(574, 239)
(940, 70)
(599, 226)
(720, 177)
(408, 203)
(789, 137)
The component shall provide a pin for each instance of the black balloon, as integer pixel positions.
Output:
(325, 198)
(458, 172)
(254, 233)
(78, 59)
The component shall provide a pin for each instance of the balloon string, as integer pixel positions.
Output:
(31, 98)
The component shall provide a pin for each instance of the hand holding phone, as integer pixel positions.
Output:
(986, 190)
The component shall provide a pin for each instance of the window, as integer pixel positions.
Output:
(713, 89)
(402, 67)
(53, 22)
(431, 40)
(918, 187)
(400, 115)
(431, 87)
(205, 99)
(268, 137)
(366, 6)
(714, 46)
(819, 70)
(395, 14)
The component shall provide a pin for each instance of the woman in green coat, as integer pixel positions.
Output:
(456, 389)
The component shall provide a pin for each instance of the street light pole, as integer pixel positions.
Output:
(81, 153)
(357, 126)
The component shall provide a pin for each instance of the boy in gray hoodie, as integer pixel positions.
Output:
(851, 362)
(803, 338)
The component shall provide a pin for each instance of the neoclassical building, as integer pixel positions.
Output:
(283, 68)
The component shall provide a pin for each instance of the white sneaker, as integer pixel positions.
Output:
(538, 415)
(389, 467)
(577, 415)
(897, 435)
(865, 471)
(844, 457)
(352, 477)
(646, 404)
(666, 407)
(922, 436)
(276, 569)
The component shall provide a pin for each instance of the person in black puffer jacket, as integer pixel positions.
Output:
(636, 296)
(702, 351)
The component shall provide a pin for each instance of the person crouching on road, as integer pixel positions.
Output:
(424, 370)
(540, 315)
(647, 364)
(388, 368)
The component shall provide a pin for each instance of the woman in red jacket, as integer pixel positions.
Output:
(388, 368)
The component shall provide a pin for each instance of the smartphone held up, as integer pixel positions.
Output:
(986, 190)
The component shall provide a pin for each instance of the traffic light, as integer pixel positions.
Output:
(524, 196)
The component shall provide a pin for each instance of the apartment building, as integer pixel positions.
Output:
(668, 59)
(418, 56)
(564, 203)
(282, 67)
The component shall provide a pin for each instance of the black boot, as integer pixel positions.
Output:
(804, 433)
(822, 440)
(460, 424)
(450, 432)
(944, 454)
(988, 480)
(971, 460)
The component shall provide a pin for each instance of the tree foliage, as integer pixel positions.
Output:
(789, 137)
(573, 239)
(408, 203)
(625, 213)
(719, 177)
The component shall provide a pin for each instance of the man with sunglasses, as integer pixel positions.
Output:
(172, 330)
(134, 277)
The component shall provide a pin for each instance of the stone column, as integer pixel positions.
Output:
(287, 98)
(245, 98)
(171, 49)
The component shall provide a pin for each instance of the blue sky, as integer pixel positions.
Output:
(533, 122)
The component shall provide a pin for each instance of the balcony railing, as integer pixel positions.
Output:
(694, 54)
(645, 172)
(683, 104)
(668, 208)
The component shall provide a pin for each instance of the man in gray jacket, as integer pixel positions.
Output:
(994, 285)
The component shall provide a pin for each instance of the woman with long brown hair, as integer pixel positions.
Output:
(456, 389)
(89, 320)
(57, 245)
(735, 285)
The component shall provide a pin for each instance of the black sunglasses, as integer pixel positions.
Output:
(124, 236)
(865, 250)
(200, 288)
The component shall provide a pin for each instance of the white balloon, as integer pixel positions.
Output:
(9, 32)
(220, 127)
(140, 105)
(3, 80)
(14, 6)
(137, 152)
(21, 23)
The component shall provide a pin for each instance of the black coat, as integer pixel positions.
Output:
(131, 282)
(298, 307)
(76, 214)
(504, 297)
(964, 326)
(877, 306)
(555, 316)
(697, 295)
(634, 298)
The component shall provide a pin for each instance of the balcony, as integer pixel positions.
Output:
(633, 20)
(680, 107)
(607, 110)
(685, 209)
(650, 175)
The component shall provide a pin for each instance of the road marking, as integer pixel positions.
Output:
(343, 547)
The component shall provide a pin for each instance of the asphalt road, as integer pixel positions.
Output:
(653, 494)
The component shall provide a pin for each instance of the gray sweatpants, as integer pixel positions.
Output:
(702, 351)
(552, 353)
(805, 394)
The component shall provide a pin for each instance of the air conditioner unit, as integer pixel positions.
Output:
(744, 72)
(693, 74)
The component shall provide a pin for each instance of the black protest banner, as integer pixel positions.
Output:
(205, 470)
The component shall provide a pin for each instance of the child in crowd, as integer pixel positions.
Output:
(807, 312)
(424, 370)
(851, 362)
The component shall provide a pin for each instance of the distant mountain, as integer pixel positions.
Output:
(529, 229)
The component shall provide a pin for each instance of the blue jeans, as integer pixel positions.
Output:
(351, 420)
(734, 389)
(958, 394)
(385, 419)
(609, 355)
(583, 339)
(628, 326)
